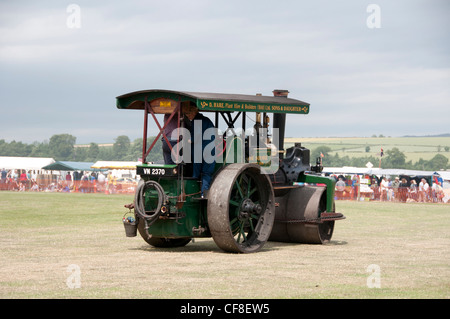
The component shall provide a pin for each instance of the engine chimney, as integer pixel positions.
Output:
(279, 120)
(278, 92)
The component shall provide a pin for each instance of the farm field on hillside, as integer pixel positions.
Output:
(413, 147)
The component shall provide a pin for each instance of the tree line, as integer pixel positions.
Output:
(62, 147)
(392, 158)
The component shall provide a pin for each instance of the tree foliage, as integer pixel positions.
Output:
(62, 147)
(121, 146)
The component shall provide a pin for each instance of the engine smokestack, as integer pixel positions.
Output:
(279, 120)
(278, 92)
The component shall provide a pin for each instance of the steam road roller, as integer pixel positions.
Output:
(225, 173)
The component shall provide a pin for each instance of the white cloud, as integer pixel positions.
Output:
(322, 52)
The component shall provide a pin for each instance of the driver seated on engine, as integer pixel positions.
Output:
(202, 134)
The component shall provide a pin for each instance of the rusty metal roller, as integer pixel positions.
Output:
(297, 217)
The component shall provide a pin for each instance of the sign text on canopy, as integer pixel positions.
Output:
(209, 105)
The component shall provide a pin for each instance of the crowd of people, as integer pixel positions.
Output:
(77, 181)
(20, 180)
(398, 189)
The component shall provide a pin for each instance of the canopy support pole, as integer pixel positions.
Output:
(144, 144)
(148, 110)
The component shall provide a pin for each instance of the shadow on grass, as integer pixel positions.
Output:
(208, 245)
(193, 246)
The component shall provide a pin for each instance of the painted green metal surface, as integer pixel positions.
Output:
(190, 208)
(314, 179)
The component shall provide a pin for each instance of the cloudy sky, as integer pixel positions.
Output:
(363, 71)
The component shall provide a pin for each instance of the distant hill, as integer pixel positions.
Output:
(413, 147)
(438, 135)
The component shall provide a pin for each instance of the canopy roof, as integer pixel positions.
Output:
(70, 166)
(215, 101)
(29, 163)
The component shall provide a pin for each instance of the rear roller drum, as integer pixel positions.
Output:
(241, 208)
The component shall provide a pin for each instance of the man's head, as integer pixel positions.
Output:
(190, 111)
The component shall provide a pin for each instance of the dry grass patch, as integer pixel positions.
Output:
(42, 234)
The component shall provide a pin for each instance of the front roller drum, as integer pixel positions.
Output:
(241, 208)
(298, 217)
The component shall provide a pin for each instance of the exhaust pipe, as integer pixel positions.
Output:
(279, 120)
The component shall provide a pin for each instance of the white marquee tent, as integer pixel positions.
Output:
(28, 163)
(445, 175)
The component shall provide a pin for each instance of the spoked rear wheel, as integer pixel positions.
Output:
(241, 208)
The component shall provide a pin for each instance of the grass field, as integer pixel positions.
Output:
(413, 147)
(43, 234)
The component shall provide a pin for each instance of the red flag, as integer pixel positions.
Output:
(381, 152)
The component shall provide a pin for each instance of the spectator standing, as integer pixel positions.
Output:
(92, 183)
(395, 188)
(68, 179)
(33, 176)
(101, 179)
(375, 188)
(384, 185)
(437, 192)
(421, 194)
(403, 190)
(23, 180)
(84, 183)
(413, 190)
(3, 176)
(426, 190)
(340, 188)
(14, 175)
(423, 190)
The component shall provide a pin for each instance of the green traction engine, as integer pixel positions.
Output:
(259, 191)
